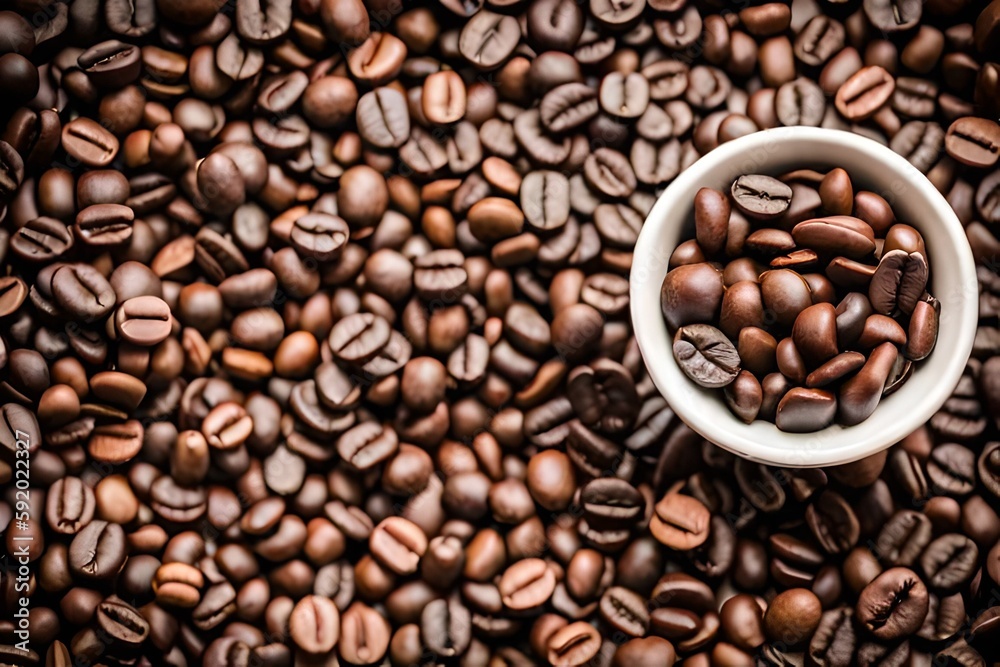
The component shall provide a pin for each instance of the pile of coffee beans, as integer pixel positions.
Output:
(801, 319)
(316, 350)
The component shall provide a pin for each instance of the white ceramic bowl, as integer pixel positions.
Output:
(874, 167)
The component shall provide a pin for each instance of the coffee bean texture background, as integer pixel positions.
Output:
(315, 347)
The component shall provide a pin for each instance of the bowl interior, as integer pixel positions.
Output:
(915, 201)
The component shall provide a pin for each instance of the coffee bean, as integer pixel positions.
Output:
(574, 644)
(898, 282)
(527, 584)
(680, 522)
(98, 551)
(815, 334)
(568, 106)
(13, 292)
(818, 40)
(974, 141)
(706, 355)
(893, 15)
(488, 39)
(609, 172)
(364, 636)
(624, 96)
(143, 320)
(838, 234)
(314, 624)
(804, 410)
(116, 443)
(785, 293)
(445, 626)
(624, 610)
(121, 621)
(69, 506)
(860, 96)
(89, 143)
(893, 605)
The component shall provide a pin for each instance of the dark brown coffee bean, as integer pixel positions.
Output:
(786, 294)
(916, 98)
(98, 551)
(13, 292)
(111, 64)
(568, 106)
(860, 96)
(761, 197)
(69, 506)
(574, 644)
(42, 240)
(898, 282)
(121, 621)
(815, 334)
(833, 522)
(744, 396)
(105, 224)
(818, 40)
(680, 522)
(367, 444)
(314, 624)
(706, 355)
(849, 273)
(921, 143)
(974, 141)
(949, 562)
(625, 611)
(609, 172)
(545, 199)
(89, 142)
(488, 39)
(803, 410)
(893, 605)
(398, 544)
(839, 234)
(691, 294)
(445, 626)
(359, 337)
(800, 102)
(921, 335)
(893, 15)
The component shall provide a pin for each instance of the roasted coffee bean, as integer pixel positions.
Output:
(98, 551)
(314, 624)
(574, 644)
(800, 102)
(706, 355)
(838, 234)
(803, 410)
(569, 106)
(949, 562)
(761, 197)
(893, 605)
(680, 522)
(893, 15)
(819, 39)
(898, 282)
(446, 626)
(974, 141)
(89, 142)
(860, 96)
(488, 39)
(121, 621)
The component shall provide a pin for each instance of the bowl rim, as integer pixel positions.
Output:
(813, 449)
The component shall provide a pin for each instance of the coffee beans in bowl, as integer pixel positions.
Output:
(802, 299)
